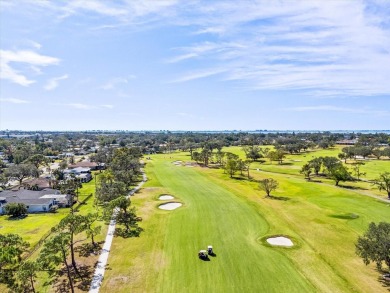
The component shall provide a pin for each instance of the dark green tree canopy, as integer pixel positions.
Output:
(374, 245)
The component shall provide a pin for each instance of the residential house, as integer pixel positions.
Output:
(35, 201)
(84, 174)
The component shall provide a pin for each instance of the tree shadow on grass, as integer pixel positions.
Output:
(87, 249)
(352, 187)
(283, 198)
(384, 281)
(239, 178)
(127, 234)
(86, 273)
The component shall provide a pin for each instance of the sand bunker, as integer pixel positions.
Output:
(165, 197)
(170, 206)
(280, 241)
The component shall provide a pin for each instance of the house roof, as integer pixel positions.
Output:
(28, 197)
(77, 170)
(56, 196)
(84, 164)
(27, 194)
(41, 182)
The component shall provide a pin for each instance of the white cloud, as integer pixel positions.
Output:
(114, 82)
(330, 49)
(198, 75)
(52, 83)
(14, 101)
(36, 45)
(326, 49)
(25, 57)
(82, 106)
(107, 106)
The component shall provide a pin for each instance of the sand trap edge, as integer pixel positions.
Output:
(170, 203)
(263, 240)
(166, 197)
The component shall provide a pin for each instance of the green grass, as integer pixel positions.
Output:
(233, 215)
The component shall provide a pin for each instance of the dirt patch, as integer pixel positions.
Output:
(118, 280)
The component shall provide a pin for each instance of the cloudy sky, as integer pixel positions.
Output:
(194, 65)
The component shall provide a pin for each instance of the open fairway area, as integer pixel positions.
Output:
(234, 216)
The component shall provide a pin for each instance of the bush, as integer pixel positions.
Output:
(15, 209)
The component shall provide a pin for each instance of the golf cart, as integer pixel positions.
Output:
(203, 254)
(210, 250)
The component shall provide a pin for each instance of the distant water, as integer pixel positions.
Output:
(319, 131)
(25, 134)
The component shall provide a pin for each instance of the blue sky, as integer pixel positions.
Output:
(194, 65)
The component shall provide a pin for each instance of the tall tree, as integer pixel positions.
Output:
(329, 163)
(268, 185)
(374, 245)
(73, 225)
(22, 171)
(252, 152)
(306, 170)
(37, 160)
(383, 183)
(55, 251)
(125, 165)
(12, 246)
(339, 173)
(125, 215)
(356, 167)
(108, 189)
(316, 164)
(231, 166)
(26, 276)
(91, 229)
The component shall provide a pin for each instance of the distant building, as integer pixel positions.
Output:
(347, 142)
(87, 164)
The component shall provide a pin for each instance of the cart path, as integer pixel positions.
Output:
(102, 262)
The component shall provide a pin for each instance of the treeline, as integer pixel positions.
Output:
(352, 152)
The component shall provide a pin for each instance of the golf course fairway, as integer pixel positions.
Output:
(231, 218)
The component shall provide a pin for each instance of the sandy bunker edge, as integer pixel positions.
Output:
(170, 206)
(280, 241)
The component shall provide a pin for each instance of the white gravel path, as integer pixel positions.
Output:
(102, 262)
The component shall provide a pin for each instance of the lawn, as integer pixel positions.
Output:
(234, 216)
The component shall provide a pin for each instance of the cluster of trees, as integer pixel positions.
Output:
(20, 274)
(352, 152)
(113, 186)
(331, 167)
